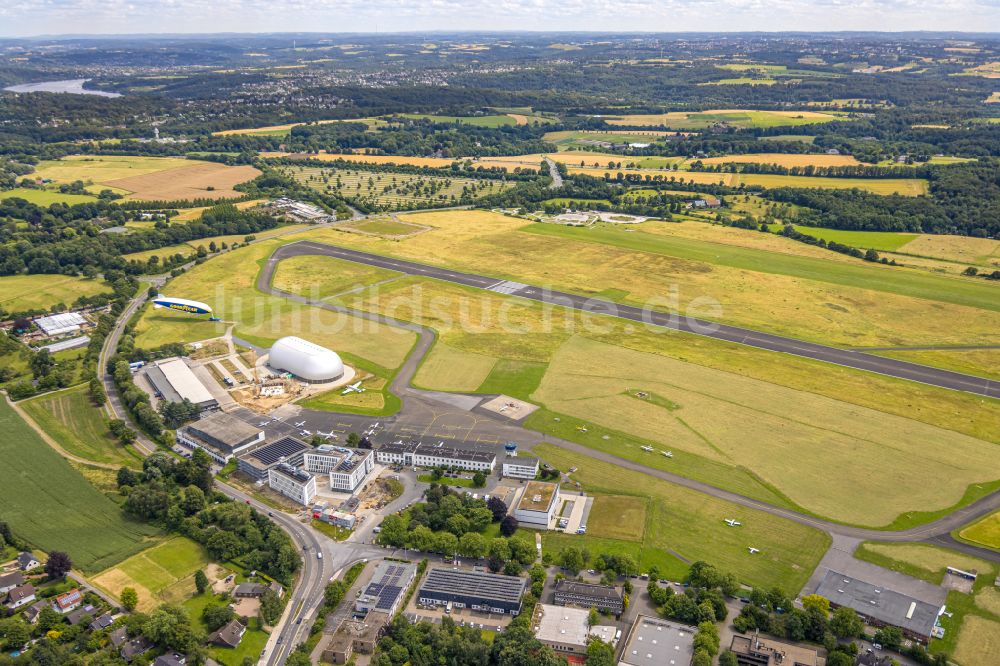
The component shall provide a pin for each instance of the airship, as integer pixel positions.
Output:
(182, 305)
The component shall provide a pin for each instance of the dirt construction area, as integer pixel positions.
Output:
(201, 180)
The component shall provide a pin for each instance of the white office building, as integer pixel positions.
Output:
(436, 455)
(293, 483)
(537, 505)
(347, 468)
(520, 467)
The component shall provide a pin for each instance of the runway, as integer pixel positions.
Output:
(946, 379)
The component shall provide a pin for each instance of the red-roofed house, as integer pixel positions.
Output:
(64, 603)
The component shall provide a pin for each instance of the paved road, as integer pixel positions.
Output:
(844, 357)
(557, 179)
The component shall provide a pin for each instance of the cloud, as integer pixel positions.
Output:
(201, 16)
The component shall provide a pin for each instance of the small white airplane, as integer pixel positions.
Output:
(326, 435)
(732, 522)
(300, 424)
(647, 449)
(753, 550)
(262, 424)
(582, 428)
(668, 454)
(306, 433)
(353, 388)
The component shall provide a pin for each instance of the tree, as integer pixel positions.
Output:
(822, 604)
(41, 363)
(701, 658)
(200, 581)
(845, 623)
(130, 598)
(353, 439)
(15, 633)
(891, 638)
(728, 658)
(49, 618)
(478, 479)
(217, 616)
(270, 607)
(59, 565)
(393, 531)
(599, 653)
(571, 559)
(592, 617)
(508, 526)
(472, 545)
(497, 507)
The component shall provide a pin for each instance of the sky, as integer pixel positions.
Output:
(51, 17)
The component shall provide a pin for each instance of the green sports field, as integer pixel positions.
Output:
(53, 507)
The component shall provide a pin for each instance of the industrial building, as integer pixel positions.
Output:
(306, 361)
(347, 468)
(566, 630)
(256, 463)
(61, 324)
(589, 595)
(537, 505)
(220, 435)
(881, 607)
(356, 636)
(655, 642)
(755, 651)
(174, 381)
(293, 483)
(300, 211)
(478, 590)
(418, 454)
(386, 589)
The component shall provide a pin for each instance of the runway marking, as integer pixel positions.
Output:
(506, 287)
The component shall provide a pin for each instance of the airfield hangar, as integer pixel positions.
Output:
(307, 361)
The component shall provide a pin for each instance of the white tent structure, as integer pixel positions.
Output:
(307, 361)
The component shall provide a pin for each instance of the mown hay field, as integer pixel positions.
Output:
(450, 369)
(978, 641)
(786, 159)
(684, 120)
(156, 572)
(40, 292)
(53, 507)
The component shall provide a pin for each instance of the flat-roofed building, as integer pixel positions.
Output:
(652, 641)
(520, 467)
(537, 504)
(293, 483)
(347, 468)
(220, 435)
(756, 651)
(356, 636)
(566, 630)
(174, 381)
(478, 590)
(386, 589)
(255, 463)
(61, 324)
(397, 453)
(418, 454)
(879, 606)
(589, 595)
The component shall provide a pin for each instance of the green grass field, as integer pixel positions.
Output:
(618, 517)
(681, 120)
(478, 121)
(376, 400)
(53, 507)
(45, 197)
(985, 532)
(450, 369)
(876, 240)
(920, 560)
(323, 277)
(162, 573)
(385, 226)
(681, 525)
(393, 191)
(41, 292)
(70, 418)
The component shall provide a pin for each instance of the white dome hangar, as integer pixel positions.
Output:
(307, 361)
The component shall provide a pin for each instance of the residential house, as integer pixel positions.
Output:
(32, 612)
(102, 622)
(74, 617)
(170, 659)
(230, 635)
(27, 561)
(20, 596)
(65, 603)
(118, 636)
(136, 648)
(10, 581)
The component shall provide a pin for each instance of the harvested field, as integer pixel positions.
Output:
(964, 249)
(618, 517)
(201, 180)
(786, 159)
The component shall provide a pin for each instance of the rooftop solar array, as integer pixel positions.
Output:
(278, 449)
(387, 584)
(479, 584)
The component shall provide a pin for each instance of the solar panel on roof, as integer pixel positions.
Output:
(282, 448)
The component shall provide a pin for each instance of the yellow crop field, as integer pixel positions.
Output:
(986, 531)
(786, 159)
(279, 130)
(732, 420)
(436, 162)
(103, 168)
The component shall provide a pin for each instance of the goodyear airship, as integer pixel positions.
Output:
(182, 305)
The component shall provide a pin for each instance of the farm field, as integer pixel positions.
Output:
(964, 249)
(161, 574)
(498, 120)
(284, 130)
(150, 178)
(435, 162)
(683, 120)
(741, 81)
(45, 197)
(40, 292)
(690, 525)
(227, 283)
(785, 159)
(904, 186)
(53, 507)
(985, 532)
(70, 418)
(581, 137)
(393, 191)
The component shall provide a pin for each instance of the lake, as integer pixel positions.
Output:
(73, 86)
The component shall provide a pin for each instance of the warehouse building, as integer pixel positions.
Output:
(256, 463)
(174, 381)
(61, 324)
(306, 361)
(537, 505)
(417, 454)
(478, 590)
(347, 468)
(220, 435)
(589, 595)
(655, 642)
(293, 483)
(520, 467)
(386, 589)
(567, 630)
(881, 607)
